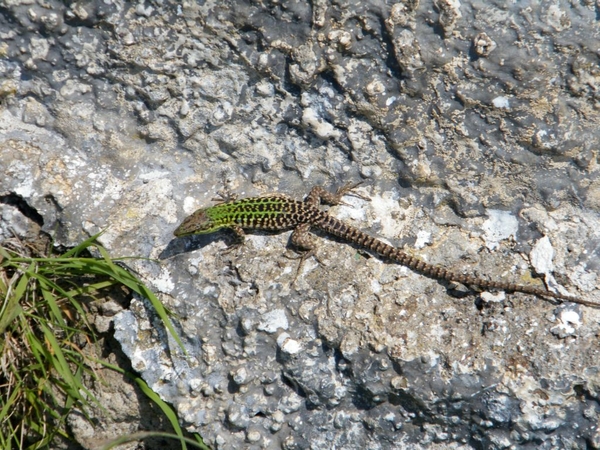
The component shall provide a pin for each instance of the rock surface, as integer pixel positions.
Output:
(475, 128)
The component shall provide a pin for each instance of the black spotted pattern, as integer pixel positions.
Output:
(273, 212)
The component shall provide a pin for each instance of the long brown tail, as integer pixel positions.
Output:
(338, 228)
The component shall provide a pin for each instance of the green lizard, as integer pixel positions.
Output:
(279, 212)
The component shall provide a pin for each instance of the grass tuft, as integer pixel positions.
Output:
(45, 338)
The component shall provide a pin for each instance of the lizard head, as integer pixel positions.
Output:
(200, 222)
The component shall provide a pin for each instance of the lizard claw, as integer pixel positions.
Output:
(303, 256)
(348, 189)
(232, 247)
(224, 196)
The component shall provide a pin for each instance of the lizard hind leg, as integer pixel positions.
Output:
(304, 242)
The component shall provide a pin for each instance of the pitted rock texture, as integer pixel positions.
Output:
(475, 128)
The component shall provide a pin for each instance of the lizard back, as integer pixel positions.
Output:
(270, 212)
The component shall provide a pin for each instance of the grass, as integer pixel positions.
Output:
(46, 343)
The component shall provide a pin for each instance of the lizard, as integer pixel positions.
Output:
(278, 212)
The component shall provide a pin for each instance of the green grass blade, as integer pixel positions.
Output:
(165, 407)
(6, 410)
(75, 251)
(60, 364)
(129, 280)
(89, 289)
(140, 435)
(38, 349)
(10, 306)
(57, 314)
(8, 315)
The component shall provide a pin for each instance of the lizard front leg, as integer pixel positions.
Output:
(240, 238)
(319, 194)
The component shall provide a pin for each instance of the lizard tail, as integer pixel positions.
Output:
(337, 228)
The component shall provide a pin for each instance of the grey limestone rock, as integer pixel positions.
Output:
(475, 128)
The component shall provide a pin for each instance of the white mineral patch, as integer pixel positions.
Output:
(488, 297)
(189, 205)
(288, 345)
(501, 102)
(500, 225)
(273, 320)
(423, 238)
(25, 189)
(384, 207)
(163, 282)
(569, 320)
(541, 256)
(153, 175)
(322, 129)
(571, 317)
(353, 211)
